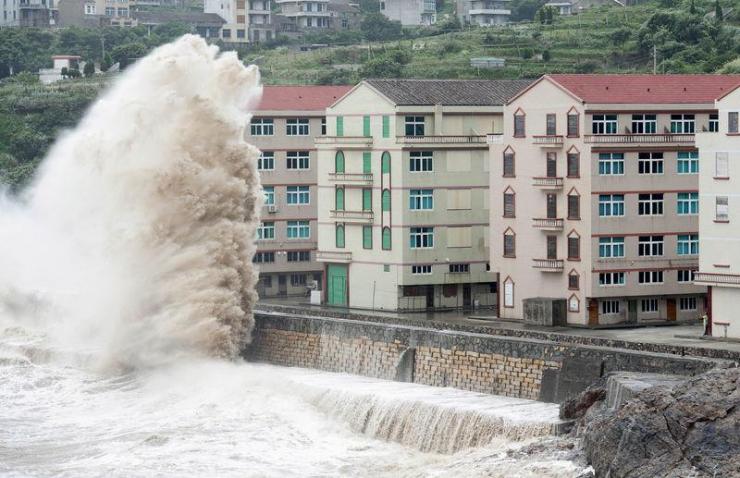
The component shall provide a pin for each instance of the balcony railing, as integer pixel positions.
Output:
(334, 256)
(548, 183)
(548, 265)
(351, 178)
(444, 139)
(548, 224)
(495, 138)
(716, 278)
(352, 216)
(667, 138)
(549, 141)
(345, 141)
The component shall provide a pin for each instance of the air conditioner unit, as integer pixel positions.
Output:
(272, 209)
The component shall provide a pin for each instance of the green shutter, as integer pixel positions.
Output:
(367, 199)
(386, 200)
(386, 126)
(339, 236)
(366, 166)
(367, 237)
(340, 126)
(385, 160)
(387, 238)
(366, 126)
(339, 196)
(339, 162)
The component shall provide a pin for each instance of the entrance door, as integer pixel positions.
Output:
(552, 206)
(467, 296)
(282, 285)
(593, 312)
(430, 296)
(671, 306)
(336, 284)
(632, 312)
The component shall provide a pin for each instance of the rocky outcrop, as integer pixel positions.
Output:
(690, 430)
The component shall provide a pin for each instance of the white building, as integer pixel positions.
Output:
(483, 12)
(410, 12)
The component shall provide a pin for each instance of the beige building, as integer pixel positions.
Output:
(284, 127)
(719, 223)
(246, 20)
(403, 193)
(410, 12)
(594, 195)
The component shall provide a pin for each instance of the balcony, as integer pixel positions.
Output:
(548, 141)
(341, 142)
(551, 184)
(489, 11)
(713, 278)
(548, 265)
(351, 178)
(444, 141)
(362, 217)
(548, 224)
(668, 139)
(343, 257)
(495, 138)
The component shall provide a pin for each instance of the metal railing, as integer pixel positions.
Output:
(717, 278)
(640, 138)
(547, 223)
(548, 265)
(333, 256)
(495, 138)
(344, 140)
(351, 177)
(545, 182)
(548, 140)
(442, 139)
(352, 216)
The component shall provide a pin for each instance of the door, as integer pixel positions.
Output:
(671, 306)
(593, 312)
(632, 312)
(430, 296)
(367, 200)
(336, 284)
(467, 296)
(282, 285)
(552, 247)
(552, 206)
(552, 165)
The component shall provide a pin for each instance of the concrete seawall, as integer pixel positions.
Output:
(545, 370)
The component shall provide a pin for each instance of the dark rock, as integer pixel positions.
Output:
(577, 407)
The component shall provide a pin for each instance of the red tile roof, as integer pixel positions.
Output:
(647, 89)
(303, 98)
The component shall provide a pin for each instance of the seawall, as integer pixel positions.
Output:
(522, 367)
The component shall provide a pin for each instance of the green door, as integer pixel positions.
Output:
(336, 284)
(367, 199)
(367, 167)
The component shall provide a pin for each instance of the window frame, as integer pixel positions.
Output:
(723, 216)
(615, 245)
(687, 206)
(650, 163)
(611, 202)
(295, 229)
(298, 158)
(266, 231)
(650, 246)
(645, 123)
(298, 195)
(266, 156)
(687, 162)
(421, 237)
(683, 123)
(602, 124)
(650, 204)
(421, 161)
(297, 127)
(687, 244)
(414, 124)
(612, 162)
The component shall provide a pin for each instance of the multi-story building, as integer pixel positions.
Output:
(26, 13)
(403, 193)
(483, 12)
(284, 127)
(594, 195)
(246, 20)
(306, 13)
(719, 223)
(259, 17)
(410, 12)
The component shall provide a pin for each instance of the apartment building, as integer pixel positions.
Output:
(483, 12)
(26, 13)
(306, 13)
(246, 20)
(594, 195)
(410, 12)
(719, 223)
(403, 193)
(284, 127)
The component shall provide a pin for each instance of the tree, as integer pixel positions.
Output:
(106, 63)
(546, 55)
(719, 15)
(692, 8)
(64, 72)
(620, 36)
(74, 73)
(525, 9)
(369, 6)
(126, 54)
(376, 27)
(89, 69)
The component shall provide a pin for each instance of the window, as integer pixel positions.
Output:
(508, 292)
(425, 270)
(459, 268)
(551, 165)
(650, 204)
(414, 126)
(339, 236)
(611, 163)
(299, 256)
(367, 237)
(611, 279)
(650, 163)
(650, 277)
(644, 124)
(650, 246)
(89, 9)
(266, 231)
(299, 230)
(682, 124)
(688, 203)
(509, 163)
(609, 307)
(604, 124)
(263, 257)
(421, 199)
(574, 165)
(611, 247)
(366, 126)
(551, 245)
(266, 161)
(732, 122)
(323, 126)
(296, 127)
(269, 195)
(649, 305)
(367, 165)
(339, 199)
(551, 124)
(262, 127)
(519, 125)
(386, 239)
(574, 207)
(298, 280)
(385, 200)
(573, 124)
(722, 208)
(713, 122)
(339, 162)
(367, 199)
(574, 248)
(573, 280)
(297, 159)
(240, 32)
(421, 238)
(509, 244)
(611, 205)
(687, 303)
(509, 204)
(721, 166)
(685, 275)
(298, 195)
(421, 161)
(340, 126)
(386, 126)
(688, 244)
(573, 304)
(688, 162)
(385, 162)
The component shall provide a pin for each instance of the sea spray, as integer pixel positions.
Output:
(137, 235)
